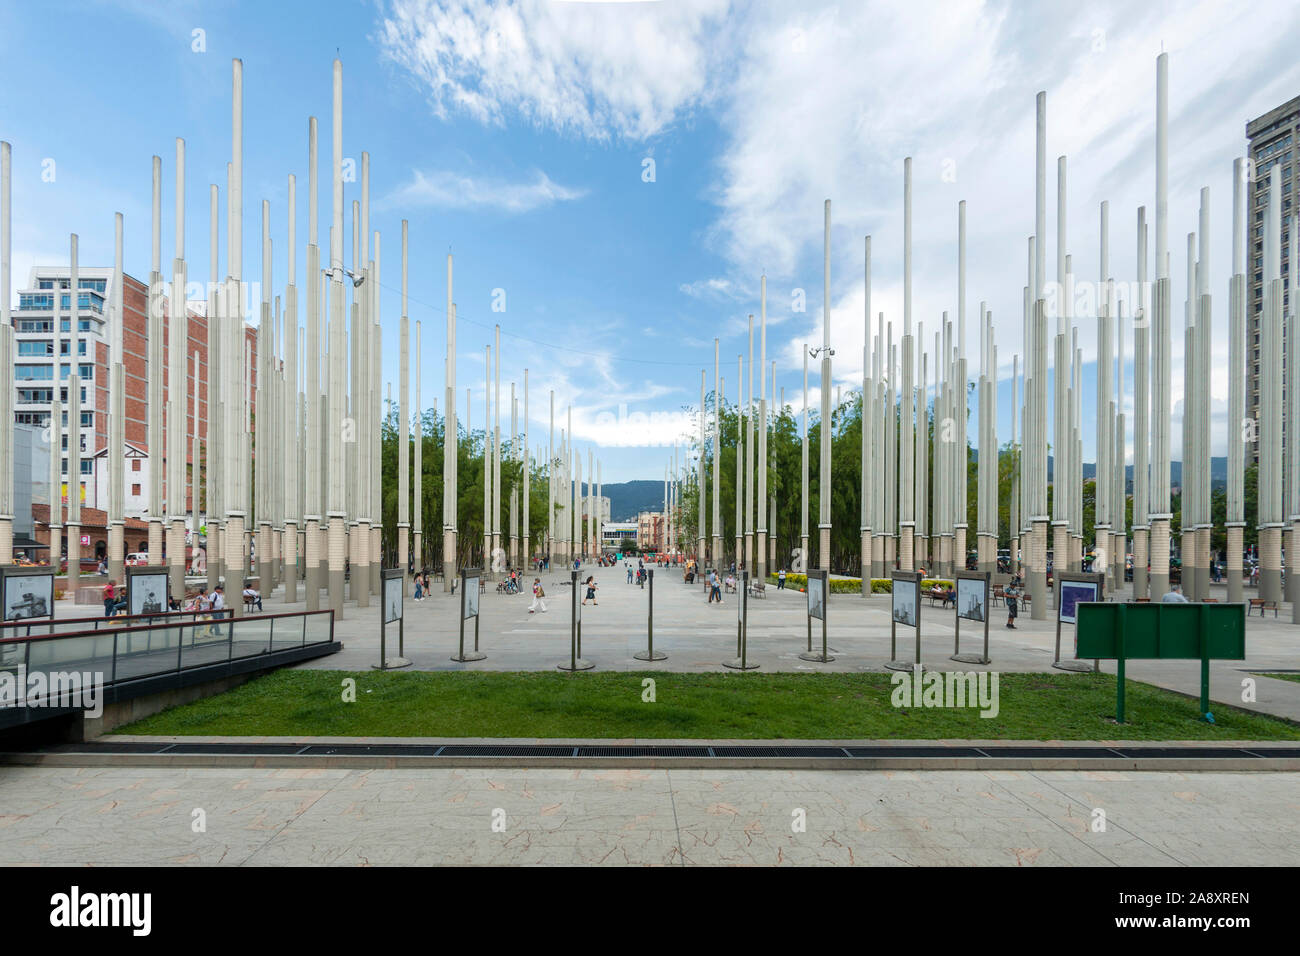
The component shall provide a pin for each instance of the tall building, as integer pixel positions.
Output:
(35, 381)
(1272, 141)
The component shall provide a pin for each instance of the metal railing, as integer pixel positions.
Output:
(155, 650)
(36, 627)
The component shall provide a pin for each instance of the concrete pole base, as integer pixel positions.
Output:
(155, 541)
(906, 559)
(311, 563)
(1203, 562)
(1232, 567)
(1159, 561)
(1061, 551)
(1140, 582)
(117, 554)
(233, 540)
(360, 571)
(1270, 563)
(403, 559)
(1187, 544)
(291, 563)
(1038, 571)
(176, 559)
(449, 569)
(336, 549)
(74, 559)
(865, 551)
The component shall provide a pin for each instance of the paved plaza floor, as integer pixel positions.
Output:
(698, 636)
(118, 815)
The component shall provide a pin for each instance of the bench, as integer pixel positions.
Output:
(250, 604)
(999, 595)
(936, 597)
(1263, 604)
(758, 589)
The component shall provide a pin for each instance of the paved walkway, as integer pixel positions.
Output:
(110, 816)
(698, 636)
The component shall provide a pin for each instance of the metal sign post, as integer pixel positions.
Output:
(819, 586)
(905, 609)
(26, 593)
(649, 653)
(469, 584)
(575, 661)
(147, 589)
(741, 663)
(1072, 588)
(391, 608)
(971, 604)
(1123, 632)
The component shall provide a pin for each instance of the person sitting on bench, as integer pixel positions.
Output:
(252, 598)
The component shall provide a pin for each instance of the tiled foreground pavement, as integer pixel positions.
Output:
(105, 816)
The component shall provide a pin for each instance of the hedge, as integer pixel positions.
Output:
(853, 585)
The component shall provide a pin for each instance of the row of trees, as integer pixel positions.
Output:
(784, 447)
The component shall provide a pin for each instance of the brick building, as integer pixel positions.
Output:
(35, 381)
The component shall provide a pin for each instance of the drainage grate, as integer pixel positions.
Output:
(110, 747)
(940, 752)
(643, 751)
(505, 750)
(371, 750)
(242, 749)
(701, 751)
(1177, 753)
(792, 751)
(1047, 753)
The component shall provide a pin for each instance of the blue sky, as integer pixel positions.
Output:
(516, 135)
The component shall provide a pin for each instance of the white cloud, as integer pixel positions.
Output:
(596, 70)
(457, 191)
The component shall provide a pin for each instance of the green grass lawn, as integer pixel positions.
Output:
(764, 706)
(1278, 676)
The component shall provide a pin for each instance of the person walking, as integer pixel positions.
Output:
(419, 589)
(715, 587)
(591, 590)
(1012, 593)
(629, 571)
(538, 597)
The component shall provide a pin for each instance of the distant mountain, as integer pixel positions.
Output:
(1218, 471)
(628, 498)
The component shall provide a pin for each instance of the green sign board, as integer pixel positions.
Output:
(1159, 631)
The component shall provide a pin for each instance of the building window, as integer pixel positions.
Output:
(135, 464)
(135, 490)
